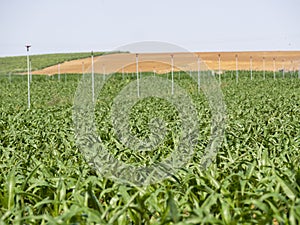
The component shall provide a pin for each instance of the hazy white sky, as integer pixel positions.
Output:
(212, 25)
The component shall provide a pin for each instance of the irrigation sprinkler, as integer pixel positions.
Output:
(172, 72)
(219, 68)
(122, 72)
(299, 72)
(264, 72)
(198, 75)
(251, 76)
(153, 71)
(28, 75)
(137, 74)
(93, 78)
(236, 68)
(274, 68)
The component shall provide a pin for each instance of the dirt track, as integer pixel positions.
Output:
(161, 62)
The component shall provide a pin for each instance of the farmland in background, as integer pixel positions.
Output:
(17, 64)
(160, 62)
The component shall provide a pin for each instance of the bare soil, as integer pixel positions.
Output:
(161, 62)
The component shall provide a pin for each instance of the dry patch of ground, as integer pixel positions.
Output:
(161, 62)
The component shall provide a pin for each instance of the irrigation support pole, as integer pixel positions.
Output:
(30, 71)
(293, 72)
(28, 75)
(82, 69)
(251, 76)
(103, 68)
(198, 62)
(93, 78)
(137, 74)
(172, 72)
(274, 68)
(58, 68)
(293, 69)
(236, 68)
(264, 72)
(283, 68)
(122, 72)
(9, 77)
(219, 68)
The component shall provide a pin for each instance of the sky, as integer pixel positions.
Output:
(55, 26)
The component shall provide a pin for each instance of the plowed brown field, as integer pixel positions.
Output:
(161, 62)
